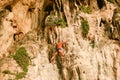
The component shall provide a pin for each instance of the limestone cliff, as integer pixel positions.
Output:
(30, 29)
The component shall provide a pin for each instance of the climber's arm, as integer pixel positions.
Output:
(64, 42)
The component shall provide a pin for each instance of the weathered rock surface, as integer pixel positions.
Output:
(37, 25)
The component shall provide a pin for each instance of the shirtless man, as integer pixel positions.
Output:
(59, 47)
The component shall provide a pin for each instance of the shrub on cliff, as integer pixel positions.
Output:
(85, 28)
(23, 60)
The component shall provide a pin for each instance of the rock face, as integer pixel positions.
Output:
(92, 32)
(116, 23)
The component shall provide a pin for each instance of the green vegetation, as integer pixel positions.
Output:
(92, 43)
(85, 9)
(60, 22)
(71, 0)
(85, 28)
(6, 72)
(112, 1)
(10, 79)
(23, 60)
(52, 20)
(20, 75)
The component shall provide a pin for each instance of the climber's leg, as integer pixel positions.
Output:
(53, 57)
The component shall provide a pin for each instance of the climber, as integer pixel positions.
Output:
(59, 48)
